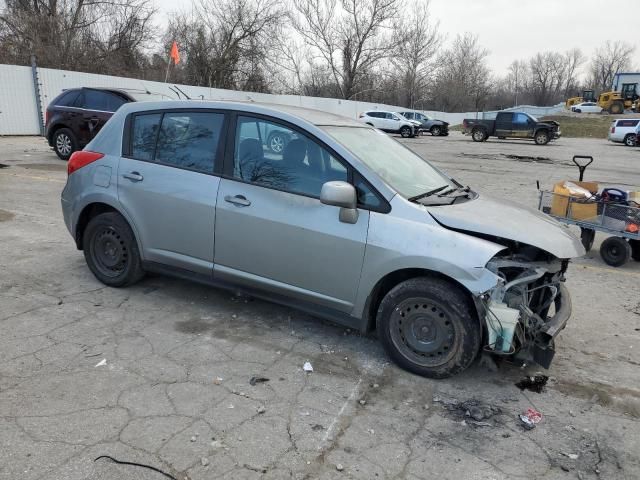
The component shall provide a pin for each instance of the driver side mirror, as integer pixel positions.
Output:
(343, 195)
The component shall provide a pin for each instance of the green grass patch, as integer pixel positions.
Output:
(587, 126)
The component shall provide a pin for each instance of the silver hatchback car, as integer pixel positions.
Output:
(343, 222)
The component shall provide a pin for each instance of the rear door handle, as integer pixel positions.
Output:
(239, 200)
(133, 176)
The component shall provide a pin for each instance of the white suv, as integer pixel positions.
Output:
(391, 122)
(623, 130)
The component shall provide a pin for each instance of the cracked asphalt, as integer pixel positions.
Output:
(158, 374)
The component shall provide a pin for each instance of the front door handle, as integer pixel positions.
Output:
(133, 176)
(238, 200)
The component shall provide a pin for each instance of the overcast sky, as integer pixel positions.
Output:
(515, 29)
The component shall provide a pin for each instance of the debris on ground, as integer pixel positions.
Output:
(193, 439)
(339, 467)
(261, 409)
(572, 456)
(307, 367)
(530, 418)
(204, 461)
(255, 380)
(363, 402)
(101, 363)
(473, 410)
(317, 427)
(535, 383)
(135, 464)
(218, 380)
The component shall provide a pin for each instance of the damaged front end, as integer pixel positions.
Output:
(529, 306)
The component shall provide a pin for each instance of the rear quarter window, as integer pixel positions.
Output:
(144, 132)
(628, 123)
(67, 99)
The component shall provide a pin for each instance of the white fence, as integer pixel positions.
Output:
(19, 112)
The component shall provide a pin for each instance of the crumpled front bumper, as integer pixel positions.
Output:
(543, 349)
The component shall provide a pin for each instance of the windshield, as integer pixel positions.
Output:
(532, 117)
(404, 171)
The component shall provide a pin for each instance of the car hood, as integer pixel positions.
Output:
(488, 216)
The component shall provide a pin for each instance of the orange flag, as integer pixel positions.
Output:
(175, 55)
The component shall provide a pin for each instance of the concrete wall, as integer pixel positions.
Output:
(19, 113)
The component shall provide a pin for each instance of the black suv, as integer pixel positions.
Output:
(75, 116)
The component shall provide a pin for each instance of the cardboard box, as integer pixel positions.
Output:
(579, 211)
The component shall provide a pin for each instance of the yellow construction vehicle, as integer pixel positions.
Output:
(623, 95)
(587, 96)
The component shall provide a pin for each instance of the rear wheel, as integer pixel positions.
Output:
(587, 236)
(577, 110)
(478, 135)
(64, 143)
(428, 327)
(630, 140)
(111, 251)
(615, 251)
(436, 130)
(541, 137)
(406, 132)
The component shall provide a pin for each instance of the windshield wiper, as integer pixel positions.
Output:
(465, 190)
(427, 194)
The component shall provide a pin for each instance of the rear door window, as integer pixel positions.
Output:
(189, 140)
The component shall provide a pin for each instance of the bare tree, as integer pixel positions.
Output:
(349, 37)
(573, 60)
(418, 41)
(463, 79)
(547, 77)
(609, 59)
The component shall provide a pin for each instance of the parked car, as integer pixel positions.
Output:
(391, 122)
(428, 124)
(75, 116)
(587, 107)
(623, 130)
(512, 125)
(346, 223)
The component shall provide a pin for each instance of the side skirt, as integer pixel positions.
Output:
(320, 311)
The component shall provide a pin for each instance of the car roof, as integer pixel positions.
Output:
(315, 117)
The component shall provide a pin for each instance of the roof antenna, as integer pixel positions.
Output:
(146, 90)
(178, 88)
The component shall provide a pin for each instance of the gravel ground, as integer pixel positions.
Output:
(158, 373)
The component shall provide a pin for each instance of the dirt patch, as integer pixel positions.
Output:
(527, 158)
(50, 167)
(6, 216)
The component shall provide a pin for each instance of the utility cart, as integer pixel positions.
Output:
(594, 207)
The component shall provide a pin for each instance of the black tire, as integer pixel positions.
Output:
(630, 140)
(478, 135)
(501, 138)
(587, 236)
(577, 110)
(64, 143)
(111, 250)
(406, 132)
(428, 326)
(277, 141)
(436, 130)
(616, 108)
(615, 251)
(635, 249)
(541, 137)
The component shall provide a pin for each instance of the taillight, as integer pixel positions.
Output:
(613, 129)
(361, 115)
(81, 159)
(47, 117)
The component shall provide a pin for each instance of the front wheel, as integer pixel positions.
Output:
(436, 130)
(406, 132)
(111, 251)
(428, 326)
(615, 251)
(587, 236)
(478, 135)
(541, 137)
